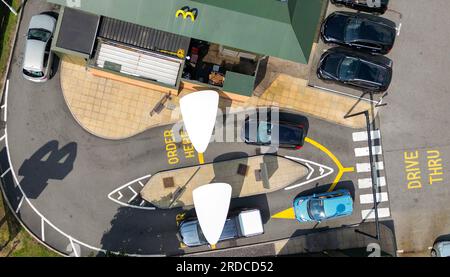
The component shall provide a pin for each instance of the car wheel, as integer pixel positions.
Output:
(433, 253)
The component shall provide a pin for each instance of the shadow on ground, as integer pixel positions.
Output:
(48, 163)
(140, 232)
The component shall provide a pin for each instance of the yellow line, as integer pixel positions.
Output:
(201, 158)
(338, 163)
(286, 214)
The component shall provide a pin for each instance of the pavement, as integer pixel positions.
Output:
(331, 243)
(174, 188)
(116, 110)
(415, 127)
(61, 180)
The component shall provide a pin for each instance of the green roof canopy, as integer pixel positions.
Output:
(284, 29)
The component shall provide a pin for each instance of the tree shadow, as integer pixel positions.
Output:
(48, 163)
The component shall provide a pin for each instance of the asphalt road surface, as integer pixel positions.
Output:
(66, 174)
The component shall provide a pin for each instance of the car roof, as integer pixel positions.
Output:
(42, 21)
(34, 55)
(250, 222)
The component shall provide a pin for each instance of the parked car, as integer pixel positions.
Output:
(363, 71)
(38, 59)
(245, 223)
(441, 249)
(289, 130)
(364, 5)
(360, 31)
(320, 207)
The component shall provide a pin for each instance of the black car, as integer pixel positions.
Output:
(360, 31)
(371, 73)
(370, 6)
(287, 130)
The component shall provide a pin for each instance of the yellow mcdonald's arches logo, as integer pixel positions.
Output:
(186, 12)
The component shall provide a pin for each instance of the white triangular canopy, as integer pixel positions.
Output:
(199, 111)
(212, 203)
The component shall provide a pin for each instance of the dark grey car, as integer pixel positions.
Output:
(367, 72)
(360, 31)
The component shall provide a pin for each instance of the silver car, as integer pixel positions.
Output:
(441, 249)
(38, 59)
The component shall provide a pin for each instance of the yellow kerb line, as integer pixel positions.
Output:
(341, 168)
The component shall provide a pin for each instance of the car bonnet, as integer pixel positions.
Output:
(338, 206)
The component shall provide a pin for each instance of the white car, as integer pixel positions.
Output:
(37, 61)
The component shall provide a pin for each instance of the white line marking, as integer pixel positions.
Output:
(365, 167)
(142, 203)
(42, 229)
(367, 183)
(364, 151)
(1, 139)
(3, 107)
(16, 180)
(330, 171)
(134, 196)
(370, 214)
(399, 29)
(20, 205)
(125, 204)
(311, 171)
(368, 198)
(120, 196)
(6, 172)
(74, 248)
(140, 183)
(5, 111)
(364, 136)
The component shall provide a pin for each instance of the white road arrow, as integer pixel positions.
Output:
(325, 171)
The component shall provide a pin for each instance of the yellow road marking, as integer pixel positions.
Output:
(286, 214)
(201, 158)
(338, 163)
(213, 247)
(289, 213)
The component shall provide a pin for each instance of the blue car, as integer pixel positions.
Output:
(320, 207)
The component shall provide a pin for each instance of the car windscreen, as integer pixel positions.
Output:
(371, 72)
(33, 74)
(331, 65)
(316, 209)
(39, 34)
(348, 68)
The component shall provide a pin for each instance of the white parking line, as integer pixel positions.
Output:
(368, 198)
(141, 184)
(1, 139)
(367, 182)
(365, 167)
(364, 151)
(6, 172)
(20, 205)
(42, 229)
(363, 136)
(370, 214)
